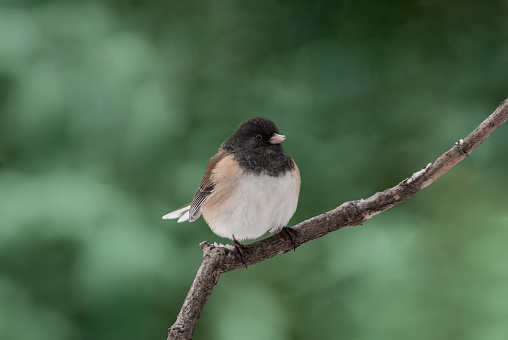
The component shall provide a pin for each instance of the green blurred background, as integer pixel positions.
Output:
(110, 110)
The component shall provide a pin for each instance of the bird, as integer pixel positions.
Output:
(250, 186)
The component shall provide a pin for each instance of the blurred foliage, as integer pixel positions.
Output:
(110, 110)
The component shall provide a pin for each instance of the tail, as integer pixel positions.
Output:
(182, 214)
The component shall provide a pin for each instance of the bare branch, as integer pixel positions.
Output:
(219, 259)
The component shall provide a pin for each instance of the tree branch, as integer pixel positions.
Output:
(221, 259)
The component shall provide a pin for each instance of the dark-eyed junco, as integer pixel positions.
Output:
(250, 186)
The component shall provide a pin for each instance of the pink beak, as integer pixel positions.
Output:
(277, 139)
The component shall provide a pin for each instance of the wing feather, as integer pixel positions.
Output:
(206, 187)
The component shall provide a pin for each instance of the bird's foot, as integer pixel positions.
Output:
(292, 234)
(239, 250)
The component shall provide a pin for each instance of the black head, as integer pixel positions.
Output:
(255, 133)
(256, 146)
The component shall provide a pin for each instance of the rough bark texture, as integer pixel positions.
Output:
(220, 259)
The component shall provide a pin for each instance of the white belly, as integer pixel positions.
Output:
(261, 203)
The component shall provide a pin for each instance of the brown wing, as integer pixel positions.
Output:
(206, 187)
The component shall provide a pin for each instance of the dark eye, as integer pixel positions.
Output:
(258, 137)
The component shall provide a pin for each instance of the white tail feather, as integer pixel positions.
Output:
(185, 217)
(182, 214)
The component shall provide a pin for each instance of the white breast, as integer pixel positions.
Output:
(261, 203)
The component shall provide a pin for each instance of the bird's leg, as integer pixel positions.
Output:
(238, 247)
(292, 234)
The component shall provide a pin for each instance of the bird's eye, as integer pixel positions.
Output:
(258, 137)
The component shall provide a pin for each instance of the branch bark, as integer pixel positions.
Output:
(222, 259)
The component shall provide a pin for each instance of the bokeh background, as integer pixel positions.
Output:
(110, 110)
